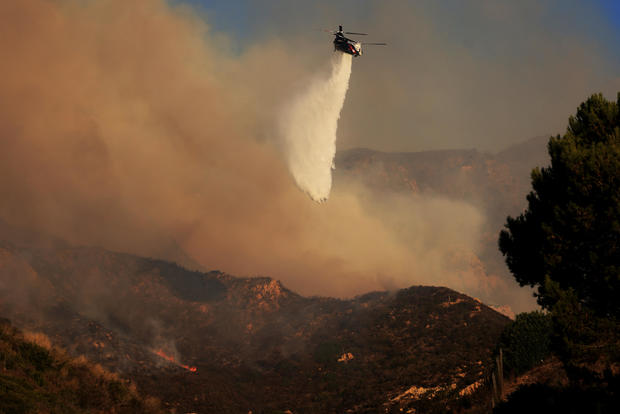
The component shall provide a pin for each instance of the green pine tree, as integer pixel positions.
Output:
(569, 235)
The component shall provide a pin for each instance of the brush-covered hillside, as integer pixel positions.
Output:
(34, 378)
(211, 342)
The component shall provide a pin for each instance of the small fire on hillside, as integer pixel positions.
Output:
(170, 358)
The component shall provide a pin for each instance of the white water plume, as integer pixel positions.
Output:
(309, 127)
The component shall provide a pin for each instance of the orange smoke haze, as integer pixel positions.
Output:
(126, 124)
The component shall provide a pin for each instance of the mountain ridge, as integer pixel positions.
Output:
(123, 311)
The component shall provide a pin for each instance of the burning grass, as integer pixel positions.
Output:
(171, 359)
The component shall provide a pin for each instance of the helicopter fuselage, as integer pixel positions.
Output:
(348, 46)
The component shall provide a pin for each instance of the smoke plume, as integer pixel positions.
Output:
(309, 128)
(126, 124)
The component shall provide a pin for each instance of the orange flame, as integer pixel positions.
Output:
(170, 358)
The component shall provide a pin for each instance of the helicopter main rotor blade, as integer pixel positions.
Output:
(363, 34)
(379, 44)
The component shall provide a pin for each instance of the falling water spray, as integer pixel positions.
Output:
(309, 127)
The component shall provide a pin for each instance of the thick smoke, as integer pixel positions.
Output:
(309, 128)
(155, 141)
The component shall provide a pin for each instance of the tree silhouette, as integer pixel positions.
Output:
(568, 239)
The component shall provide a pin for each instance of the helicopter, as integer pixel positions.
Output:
(349, 46)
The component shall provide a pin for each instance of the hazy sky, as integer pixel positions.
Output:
(456, 74)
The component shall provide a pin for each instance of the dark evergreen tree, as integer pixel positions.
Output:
(568, 239)
(525, 342)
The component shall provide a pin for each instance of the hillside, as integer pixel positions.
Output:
(212, 342)
(36, 378)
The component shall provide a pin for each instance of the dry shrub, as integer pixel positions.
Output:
(38, 338)
(101, 372)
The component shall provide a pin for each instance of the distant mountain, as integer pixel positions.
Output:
(210, 342)
(497, 184)
(527, 154)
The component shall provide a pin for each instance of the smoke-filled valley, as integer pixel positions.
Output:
(155, 213)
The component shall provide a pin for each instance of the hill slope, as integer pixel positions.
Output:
(34, 378)
(254, 344)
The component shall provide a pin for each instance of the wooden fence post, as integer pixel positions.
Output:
(500, 374)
